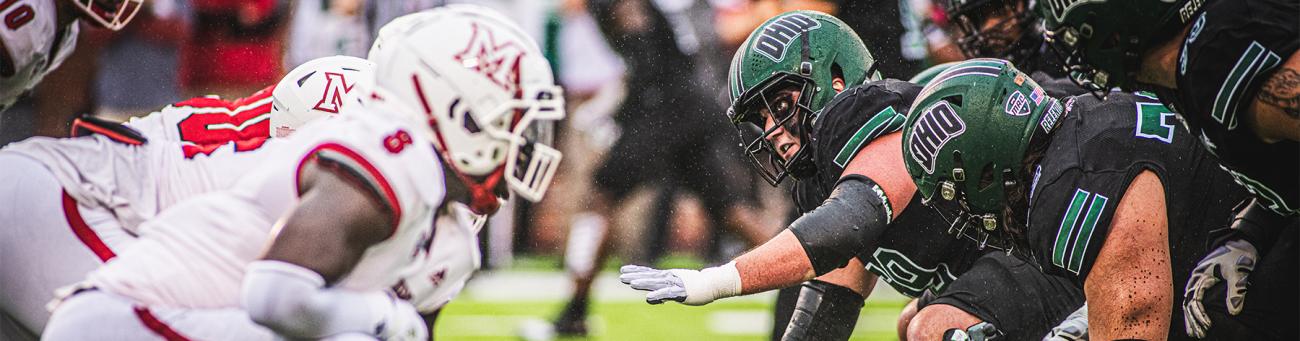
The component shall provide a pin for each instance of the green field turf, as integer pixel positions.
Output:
(471, 318)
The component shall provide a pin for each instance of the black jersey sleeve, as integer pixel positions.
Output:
(1230, 50)
(853, 119)
(1095, 153)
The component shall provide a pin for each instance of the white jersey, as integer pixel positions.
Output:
(443, 268)
(202, 265)
(32, 45)
(194, 147)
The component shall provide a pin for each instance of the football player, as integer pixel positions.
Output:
(1230, 69)
(1010, 30)
(39, 34)
(307, 244)
(84, 197)
(858, 201)
(1115, 195)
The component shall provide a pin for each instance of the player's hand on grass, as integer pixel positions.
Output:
(403, 323)
(690, 287)
(1231, 263)
(1073, 328)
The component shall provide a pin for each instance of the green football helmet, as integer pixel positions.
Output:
(966, 140)
(925, 76)
(1101, 41)
(801, 51)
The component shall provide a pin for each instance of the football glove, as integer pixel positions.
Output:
(1073, 328)
(1232, 263)
(982, 331)
(690, 287)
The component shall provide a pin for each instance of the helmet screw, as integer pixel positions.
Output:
(805, 68)
(947, 190)
(958, 174)
(1070, 37)
(990, 223)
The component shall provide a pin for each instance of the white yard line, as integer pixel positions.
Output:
(535, 286)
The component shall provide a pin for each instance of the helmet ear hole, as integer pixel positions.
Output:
(954, 100)
(470, 124)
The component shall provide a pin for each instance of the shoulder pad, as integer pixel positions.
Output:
(853, 119)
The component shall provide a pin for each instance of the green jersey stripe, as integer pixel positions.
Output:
(1067, 226)
(887, 120)
(1256, 59)
(1085, 234)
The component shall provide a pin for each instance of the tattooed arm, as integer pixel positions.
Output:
(1276, 107)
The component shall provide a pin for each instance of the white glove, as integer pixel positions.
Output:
(403, 323)
(1231, 263)
(689, 287)
(1073, 328)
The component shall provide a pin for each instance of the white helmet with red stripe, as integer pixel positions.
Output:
(483, 92)
(318, 88)
(110, 14)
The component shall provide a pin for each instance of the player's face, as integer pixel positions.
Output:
(782, 124)
(990, 32)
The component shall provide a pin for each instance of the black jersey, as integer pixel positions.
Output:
(1097, 149)
(1230, 50)
(915, 251)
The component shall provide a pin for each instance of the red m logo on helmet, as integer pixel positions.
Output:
(336, 86)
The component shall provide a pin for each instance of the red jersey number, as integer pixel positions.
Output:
(16, 17)
(246, 125)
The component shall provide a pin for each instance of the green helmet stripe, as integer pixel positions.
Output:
(981, 67)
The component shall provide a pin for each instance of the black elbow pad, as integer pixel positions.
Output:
(846, 224)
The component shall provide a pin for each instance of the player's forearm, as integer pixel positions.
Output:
(293, 302)
(779, 263)
(1137, 319)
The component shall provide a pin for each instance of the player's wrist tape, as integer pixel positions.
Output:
(847, 224)
(710, 284)
(292, 301)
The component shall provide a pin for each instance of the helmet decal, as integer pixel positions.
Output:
(1017, 104)
(777, 36)
(499, 63)
(936, 126)
(1058, 8)
(336, 87)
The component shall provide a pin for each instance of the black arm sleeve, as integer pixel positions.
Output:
(847, 223)
(1257, 225)
(824, 311)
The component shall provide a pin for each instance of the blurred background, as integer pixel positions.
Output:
(627, 66)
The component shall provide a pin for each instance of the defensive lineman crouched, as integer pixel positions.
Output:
(858, 204)
(1115, 195)
(355, 199)
(85, 197)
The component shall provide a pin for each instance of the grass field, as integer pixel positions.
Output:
(496, 305)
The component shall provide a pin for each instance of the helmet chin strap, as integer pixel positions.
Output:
(483, 197)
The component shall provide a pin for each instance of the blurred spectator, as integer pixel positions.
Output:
(672, 134)
(380, 12)
(137, 71)
(892, 32)
(234, 47)
(323, 28)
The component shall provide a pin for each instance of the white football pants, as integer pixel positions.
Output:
(47, 240)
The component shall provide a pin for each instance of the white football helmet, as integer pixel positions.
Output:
(318, 88)
(482, 91)
(110, 14)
